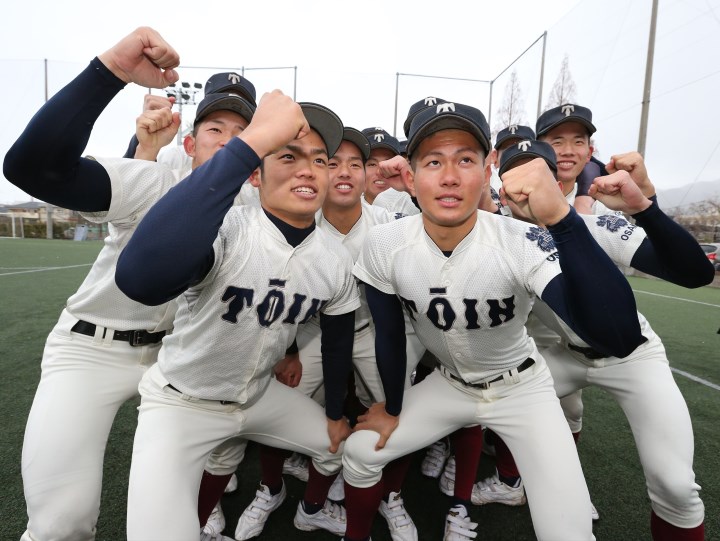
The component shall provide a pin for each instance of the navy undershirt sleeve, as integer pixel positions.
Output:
(591, 295)
(593, 169)
(336, 344)
(172, 247)
(132, 148)
(46, 161)
(669, 252)
(390, 353)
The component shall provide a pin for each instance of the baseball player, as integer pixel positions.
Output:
(383, 146)
(346, 217)
(246, 278)
(103, 342)
(642, 382)
(491, 373)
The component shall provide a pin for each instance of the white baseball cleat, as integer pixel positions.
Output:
(458, 526)
(253, 519)
(232, 484)
(594, 512)
(437, 454)
(337, 489)
(297, 466)
(331, 518)
(447, 479)
(492, 490)
(402, 528)
(216, 521)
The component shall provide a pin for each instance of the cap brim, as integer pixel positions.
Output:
(507, 138)
(447, 121)
(326, 123)
(359, 140)
(589, 126)
(512, 160)
(386, 146)
(225, 102)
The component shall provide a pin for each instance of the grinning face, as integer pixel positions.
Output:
(448, 178)
(571, 143)
(375, 181)
(213, 133)
(347, 176)
(294, 180)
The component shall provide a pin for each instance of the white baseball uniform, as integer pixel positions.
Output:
(396, 201)
(644, 387)
(85, 379)
(213, 380)
(469, 310)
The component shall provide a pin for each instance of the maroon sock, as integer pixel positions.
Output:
(394, 474)
(211, 490)
(467, 444)
(361, 505)
(271, 466)
(664, 531)
(504, 461)
(318, 486)
(576, 436)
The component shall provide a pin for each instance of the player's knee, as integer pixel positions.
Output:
(676, 499)
(69, 523)
(362, 464)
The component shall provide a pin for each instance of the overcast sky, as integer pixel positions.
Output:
(347, 56)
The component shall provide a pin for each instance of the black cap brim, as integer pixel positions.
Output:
(447, 121)
(224, 102)
(589, 126)
(326, 123)
(538, 150)
(359, 140)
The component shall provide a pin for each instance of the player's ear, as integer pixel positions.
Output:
(592, 151)
(492, 158)
(255, 178)
(189, 145)
(408, 177)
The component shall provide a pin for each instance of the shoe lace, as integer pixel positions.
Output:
(460, 526)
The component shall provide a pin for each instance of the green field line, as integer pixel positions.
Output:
(43, 269)
(675, 298)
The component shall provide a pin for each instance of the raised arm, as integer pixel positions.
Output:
(62, 126)
(171, 248)
(590, 295)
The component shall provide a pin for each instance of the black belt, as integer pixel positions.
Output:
(590, 353)
(134, 338)
(363, 327)
(527, 363)
(223, 402)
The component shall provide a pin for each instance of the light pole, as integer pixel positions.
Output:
(184, 95)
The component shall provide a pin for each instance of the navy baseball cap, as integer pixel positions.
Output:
(403, 147)
(225, 101)
(565, 113)
(514, 131)
(359, 140)
(449, 116)
(326, 123)
(231, 82)
(528, 149)
(418, 106)
(379, 138)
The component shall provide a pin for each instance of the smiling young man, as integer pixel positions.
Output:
(383, 146)
(642, 382)
(467, 279)
(244, 278)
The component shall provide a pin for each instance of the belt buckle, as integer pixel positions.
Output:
(136, 338)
